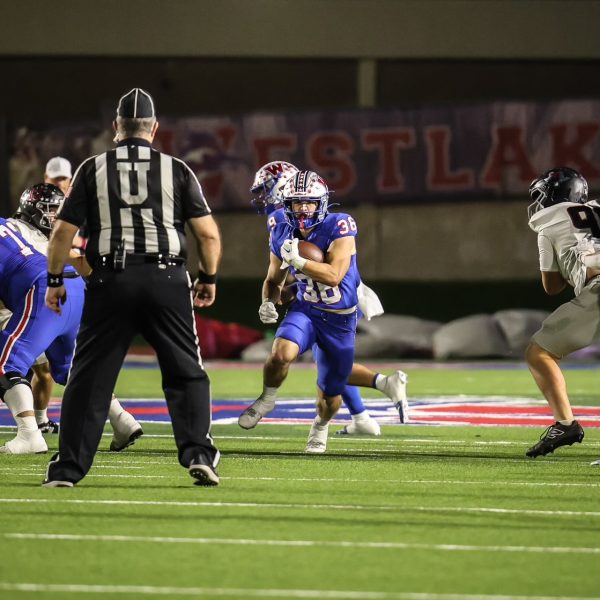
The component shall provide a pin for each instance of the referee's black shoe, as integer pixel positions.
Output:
(204, 473)
(554, 437)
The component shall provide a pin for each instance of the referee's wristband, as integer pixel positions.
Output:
(205, 278)
(54, 280)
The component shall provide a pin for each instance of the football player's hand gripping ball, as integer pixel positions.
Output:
(291, 255)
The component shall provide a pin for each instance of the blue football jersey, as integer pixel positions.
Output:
(333, 227)
(275, 216)
(20, 263)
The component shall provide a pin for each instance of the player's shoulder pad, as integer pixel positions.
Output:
(275, 218)
(340, 225)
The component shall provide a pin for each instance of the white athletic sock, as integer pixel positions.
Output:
(26, 424)
(41, 416)
(19, 399)
(115, 409)
(269, 393)
(321, 423)
(380, 381)
(566, 422)
(361, 416)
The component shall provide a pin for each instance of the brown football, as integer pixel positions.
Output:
(310, 251)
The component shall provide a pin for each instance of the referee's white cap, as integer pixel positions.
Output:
(136, 104)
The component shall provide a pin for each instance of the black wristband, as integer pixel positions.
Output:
(54, 280)
(205, 278)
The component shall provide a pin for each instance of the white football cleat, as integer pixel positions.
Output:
(54, 483)
(255, 412)
(365, 426)
(26, 442)
(317, 439)
(596, 463)
(126, 430)
(394, 388)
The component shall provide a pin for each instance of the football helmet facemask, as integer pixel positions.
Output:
(38, 206)
(305, 186)
(268, 183)
(557, 185)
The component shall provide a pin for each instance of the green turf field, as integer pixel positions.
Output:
(422, 513)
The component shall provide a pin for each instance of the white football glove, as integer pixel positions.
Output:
(588, 252)
(291, 256)
(267, 312)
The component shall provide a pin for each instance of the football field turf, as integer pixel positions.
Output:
(423, 512)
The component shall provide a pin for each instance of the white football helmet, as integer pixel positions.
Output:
(268, 184)
(308, 186)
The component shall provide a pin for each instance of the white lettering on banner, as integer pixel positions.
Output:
(141, 168)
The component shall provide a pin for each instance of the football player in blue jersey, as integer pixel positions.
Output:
(325, 311)
(267, 189)
(33, 329)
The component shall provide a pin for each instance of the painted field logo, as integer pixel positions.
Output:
(432, 410)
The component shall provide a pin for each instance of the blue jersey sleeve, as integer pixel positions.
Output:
(341, 225)
(278, 235)
(275, 217)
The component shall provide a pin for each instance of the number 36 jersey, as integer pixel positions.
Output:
(319, 295)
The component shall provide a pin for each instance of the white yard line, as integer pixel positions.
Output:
(300, 543)
(38, 472)
(299, 506)
(261, 593)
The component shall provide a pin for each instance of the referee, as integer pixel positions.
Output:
(135, 202)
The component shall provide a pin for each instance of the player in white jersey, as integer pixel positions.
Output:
(568, 229)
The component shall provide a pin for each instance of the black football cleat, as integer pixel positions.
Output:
(554, 437)
(48, 427)
(203, 472)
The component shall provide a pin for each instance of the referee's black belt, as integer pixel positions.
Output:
(140, 259)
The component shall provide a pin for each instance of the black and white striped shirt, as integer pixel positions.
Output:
(137, 194)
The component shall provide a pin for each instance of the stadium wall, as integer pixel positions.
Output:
(435, 261)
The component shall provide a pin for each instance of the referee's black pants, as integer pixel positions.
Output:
(154, 300)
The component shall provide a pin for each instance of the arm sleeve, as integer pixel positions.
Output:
(547, 256)
(75, 206)
(193, 201)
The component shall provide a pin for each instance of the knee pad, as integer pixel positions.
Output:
(17, 393)
(12, 378)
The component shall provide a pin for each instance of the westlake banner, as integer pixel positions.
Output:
(478, 152)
